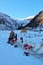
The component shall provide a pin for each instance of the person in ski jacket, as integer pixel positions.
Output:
(11, 36)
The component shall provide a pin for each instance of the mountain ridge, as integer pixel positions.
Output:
(36, 21)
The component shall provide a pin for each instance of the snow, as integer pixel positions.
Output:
(2, 27)
(9, 23)
(23, 22)
(29, 18)
(14, 56)
(12, 24)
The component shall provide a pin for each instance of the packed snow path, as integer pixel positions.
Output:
(14, 56)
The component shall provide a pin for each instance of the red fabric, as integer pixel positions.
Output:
(13, 41)
(30, 47)
(27, 47)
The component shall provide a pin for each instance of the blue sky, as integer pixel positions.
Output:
(21, 8)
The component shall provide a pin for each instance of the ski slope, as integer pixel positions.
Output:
(14, 56)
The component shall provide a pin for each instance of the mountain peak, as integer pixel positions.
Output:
(29, 18)
(41, 12)
(7, 23)
(36, 21)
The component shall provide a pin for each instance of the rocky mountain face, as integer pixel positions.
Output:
(7, 23)
(36, 21)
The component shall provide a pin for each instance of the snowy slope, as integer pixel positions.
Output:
(7, 23)
(23, 22)
(14, 56)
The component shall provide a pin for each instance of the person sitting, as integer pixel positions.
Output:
(12, 36)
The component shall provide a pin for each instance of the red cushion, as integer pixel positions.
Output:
(27, 47)
(30, 47)
(12, 41)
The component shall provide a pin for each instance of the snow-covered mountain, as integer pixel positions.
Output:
(7, 23)
(24, 21)
(33, 22)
